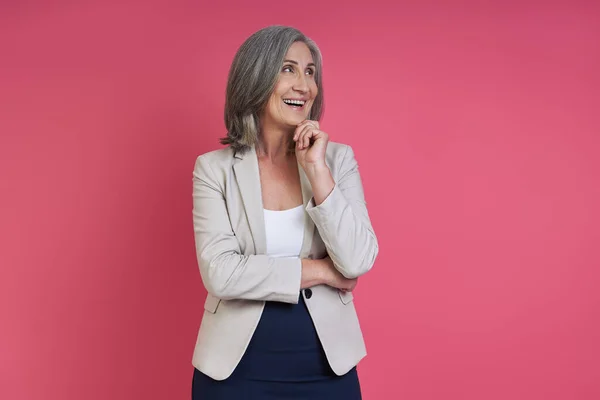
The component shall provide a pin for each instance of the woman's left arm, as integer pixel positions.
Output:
(342, 219)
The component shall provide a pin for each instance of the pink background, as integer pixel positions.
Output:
(477, 131)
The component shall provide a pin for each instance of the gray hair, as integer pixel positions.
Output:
(252, 79)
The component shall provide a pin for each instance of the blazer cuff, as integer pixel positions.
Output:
(289, 280)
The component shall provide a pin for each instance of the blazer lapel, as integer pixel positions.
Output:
(248, 180)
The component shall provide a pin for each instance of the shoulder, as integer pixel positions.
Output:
(338, 153)
(336, 147)
(212, 166)
(216, 159)
(220, 155)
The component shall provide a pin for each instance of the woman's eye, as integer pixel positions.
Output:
(287, 68)
(310, 72)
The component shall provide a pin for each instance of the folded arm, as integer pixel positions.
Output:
(342, 219)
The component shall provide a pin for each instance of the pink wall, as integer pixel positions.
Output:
(476, 128)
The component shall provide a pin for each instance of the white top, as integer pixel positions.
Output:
(285, 232)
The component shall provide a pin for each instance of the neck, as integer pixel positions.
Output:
(274, 143)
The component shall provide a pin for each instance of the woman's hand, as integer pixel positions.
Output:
(334, 279)
(322, 271)
(311, 144)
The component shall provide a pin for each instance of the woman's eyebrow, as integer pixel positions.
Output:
(296, 62)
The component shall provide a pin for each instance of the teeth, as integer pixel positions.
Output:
(294, 102)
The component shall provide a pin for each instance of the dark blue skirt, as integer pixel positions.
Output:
(284, 360)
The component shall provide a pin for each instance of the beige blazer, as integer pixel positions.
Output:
(230, 245)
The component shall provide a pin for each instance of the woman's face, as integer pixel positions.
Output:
(295, 91)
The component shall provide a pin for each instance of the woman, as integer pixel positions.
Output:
(282, 234)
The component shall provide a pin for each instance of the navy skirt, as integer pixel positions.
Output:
(284, 360)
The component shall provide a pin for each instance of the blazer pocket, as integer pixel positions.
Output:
(211, 303)
(346, 297)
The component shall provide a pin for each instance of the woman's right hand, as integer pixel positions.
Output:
(335, 279)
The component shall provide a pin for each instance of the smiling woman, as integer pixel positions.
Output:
(282, 233)
(266, 65)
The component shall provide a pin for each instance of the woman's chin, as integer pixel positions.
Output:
(295, 121)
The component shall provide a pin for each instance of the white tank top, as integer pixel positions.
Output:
(285, 232)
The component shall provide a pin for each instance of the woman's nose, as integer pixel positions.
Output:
(301, 84)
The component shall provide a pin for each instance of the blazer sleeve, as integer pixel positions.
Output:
(343, 222)
(225, 271)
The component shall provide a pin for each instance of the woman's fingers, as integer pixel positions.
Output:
(302, 129)
(304, 135)
(309, 132)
